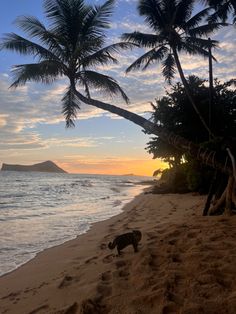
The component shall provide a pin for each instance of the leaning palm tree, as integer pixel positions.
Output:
(72, 46)
(175, 30)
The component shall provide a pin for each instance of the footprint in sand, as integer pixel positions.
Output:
(106, 276)
(109, 258)
(104, 290)
(120, 264)
(39, 309)
(92, 259)
(90, 306)
(152, 235)
(103, 246)
(122, 273)
(12, 296)
(66, 281)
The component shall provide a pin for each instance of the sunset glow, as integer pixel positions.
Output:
(31, 123)
(142, 167)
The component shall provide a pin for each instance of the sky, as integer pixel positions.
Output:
(32, 127)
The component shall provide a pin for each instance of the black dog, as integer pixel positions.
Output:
(123, 240)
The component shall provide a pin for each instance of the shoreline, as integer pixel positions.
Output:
(79, 235)
(49, 253)
(12, 259)
(185, 264)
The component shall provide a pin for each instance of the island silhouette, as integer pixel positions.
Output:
(46, 166)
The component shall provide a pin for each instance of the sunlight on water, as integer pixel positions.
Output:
(40, 210)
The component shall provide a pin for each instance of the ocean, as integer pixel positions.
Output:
(41, 210)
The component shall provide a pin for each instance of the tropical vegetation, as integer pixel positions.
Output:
(175, 30)
(224, 10)
(174, 112)
(73, 45)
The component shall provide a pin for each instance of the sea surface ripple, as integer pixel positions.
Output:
(41, 210)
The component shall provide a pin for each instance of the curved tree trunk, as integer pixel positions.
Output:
(215, 209)
(208, 157)
(185, 83)
(210, 194)
(229, 195)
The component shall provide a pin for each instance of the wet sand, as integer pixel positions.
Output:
(186, 263)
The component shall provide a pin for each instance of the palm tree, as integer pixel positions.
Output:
(223, 8)
(175, 30)
(72, 47)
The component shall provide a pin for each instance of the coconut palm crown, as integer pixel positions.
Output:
(175, 30)
(72, 46)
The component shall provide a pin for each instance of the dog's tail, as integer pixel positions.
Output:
(112, 245)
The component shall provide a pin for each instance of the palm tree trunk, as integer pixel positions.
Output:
(210, 86)
(211, 158)
(186, 86)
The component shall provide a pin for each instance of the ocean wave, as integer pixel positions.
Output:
(114, 189)
(116, 203)
(7, 249)
(52, 210)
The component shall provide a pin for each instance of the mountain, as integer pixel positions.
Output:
(46, 166)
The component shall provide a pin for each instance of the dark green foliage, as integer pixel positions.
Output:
(173, 180)
(198, 177)
(173, 112)
(190, 176)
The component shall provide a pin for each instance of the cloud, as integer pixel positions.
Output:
(3, 120)
(33, 141)
(23, 109)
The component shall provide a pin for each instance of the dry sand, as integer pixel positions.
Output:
(186, 264)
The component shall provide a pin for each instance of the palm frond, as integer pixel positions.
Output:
(142, 39)
(66, 18)
(168, 68)
(157, 55)
(14, 42)
(194, 49)
(205, 30)
(151, 9)
(104, 55)
(86, 47)
(195, 20)
(31, 25)
(221, 13)
(70, 106)
(101, 82)
(183, 13)
(97, 19)
(222, 10)
(146, 59)
(34, 28)
(46, 72)
(200, 42)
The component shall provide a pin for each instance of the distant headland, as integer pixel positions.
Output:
(46, 166)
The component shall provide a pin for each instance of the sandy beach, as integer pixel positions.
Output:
(185, 264)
